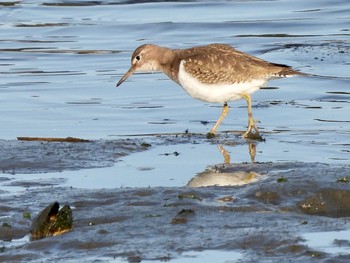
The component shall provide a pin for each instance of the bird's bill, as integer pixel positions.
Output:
(127, 75)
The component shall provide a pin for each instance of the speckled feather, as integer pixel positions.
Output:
(219, 63)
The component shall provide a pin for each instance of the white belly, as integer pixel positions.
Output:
(216, 92)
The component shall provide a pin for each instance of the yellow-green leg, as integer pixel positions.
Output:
(219, 121)
(252, 131)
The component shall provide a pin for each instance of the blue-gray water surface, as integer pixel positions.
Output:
(60, 62)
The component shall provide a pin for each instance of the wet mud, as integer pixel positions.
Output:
(43, 157)
(259, 209)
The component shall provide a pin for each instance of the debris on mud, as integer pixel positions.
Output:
(52, 221)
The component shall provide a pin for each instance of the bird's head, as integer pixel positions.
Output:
(144, 59)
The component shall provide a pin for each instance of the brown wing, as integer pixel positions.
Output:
(222, 63)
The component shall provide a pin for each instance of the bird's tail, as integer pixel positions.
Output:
(286, 71)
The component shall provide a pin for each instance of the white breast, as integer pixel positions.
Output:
(216, 92)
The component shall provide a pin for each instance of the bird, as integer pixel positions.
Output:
(216, 73)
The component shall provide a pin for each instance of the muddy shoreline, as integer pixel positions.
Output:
(260, 219)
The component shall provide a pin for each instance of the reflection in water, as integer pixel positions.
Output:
(215, 177)
(227, 174)
(227, 156)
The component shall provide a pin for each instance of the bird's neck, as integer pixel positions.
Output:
(168, 63)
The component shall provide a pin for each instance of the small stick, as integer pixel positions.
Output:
(50, 139)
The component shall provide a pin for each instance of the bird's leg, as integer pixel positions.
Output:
(217, 124)
(252, 131)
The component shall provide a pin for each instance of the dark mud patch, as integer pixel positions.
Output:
(328, 202)
(264, 219)
(43, 157)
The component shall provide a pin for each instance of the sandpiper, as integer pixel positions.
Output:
(211, 73)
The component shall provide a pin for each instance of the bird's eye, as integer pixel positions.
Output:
(138, 57)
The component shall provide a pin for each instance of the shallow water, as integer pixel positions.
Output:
(60, 61)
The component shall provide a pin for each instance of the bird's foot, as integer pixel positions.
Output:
(210, 135)
(252, 133)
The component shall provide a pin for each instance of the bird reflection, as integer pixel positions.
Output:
(228, 174)
(227, 156)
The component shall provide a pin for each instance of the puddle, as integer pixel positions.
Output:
(332, 242)
(209, 256)
(166, 161)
